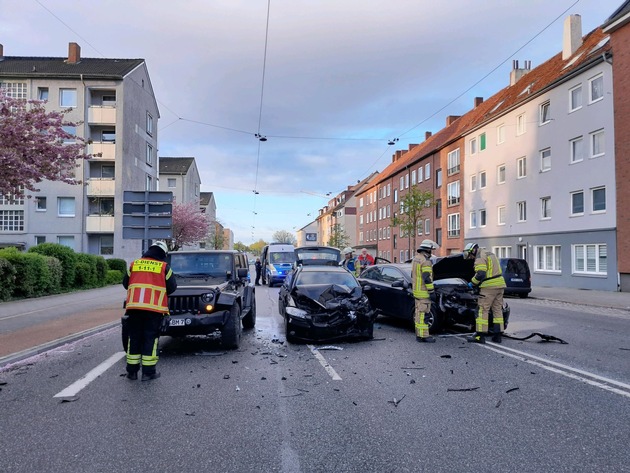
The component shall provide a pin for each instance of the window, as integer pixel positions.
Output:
(109, 101)
(482, 142)
(361, 219)
(40, 239)
(453, 162)
(420, 174)
(473, 146)
(68, 98)
(149, 183)
(501, 134)
(401, 183)
(596, 88)
(149, 124)
(101, 206)
(501, 215)
(521, 209)
(545, 160)
(389, 189)
(438, 208)
(108, 172)
(520, 124)
(16, 90)
(590, 259)
(577, 149)
(389, 210)
(413, 177)
(360, 200)
(427, 171)
(545, 208)
(40, 204)
(66, 241)
(395, 195)
(544, 110)
(453, 193)
(407, 181)
(419, 225)
(577, 203)
(427, 226)
(171, 183)
(42, 93)
(65, 206)
(502, 251)
(598, 199)
(12, 220)
(107, 245)
(521, 167)
(501, 174)
(438, 236)
(11, 200)
(482, 180)
(473, 219)
(149, 154)
(438, 178)
(547, 258)
(453, 225)
(575, 98)
(597, 143)
(473, 183)
(108, 136)
(482, 217)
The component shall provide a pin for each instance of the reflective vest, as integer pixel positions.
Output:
(488, 271)
(147, 285)
(421, 271)
(352, 265)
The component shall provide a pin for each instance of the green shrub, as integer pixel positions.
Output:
(55, 269)
(7, 279)
(66, 255)
(117, 263)
(32, 272)
(101, 270)
(86, 274)
(114, 277)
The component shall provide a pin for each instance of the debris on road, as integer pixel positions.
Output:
(328, 347)
(462, 389)
(395, 402)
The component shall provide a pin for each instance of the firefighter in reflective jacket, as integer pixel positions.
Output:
(148, 281)
(489, 279)
(423, 291)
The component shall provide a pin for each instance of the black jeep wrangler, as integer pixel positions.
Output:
(213, 294)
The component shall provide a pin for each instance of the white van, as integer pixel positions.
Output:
(277, 261)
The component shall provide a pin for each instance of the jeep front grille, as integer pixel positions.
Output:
(184, 304)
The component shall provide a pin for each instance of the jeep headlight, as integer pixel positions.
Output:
(207, 297)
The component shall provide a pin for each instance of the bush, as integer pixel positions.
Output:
(32, 272)
(101, 270)
(7, 279)
(55, 270)
(118, 264)
(65, 255)
(86, 274)
(114, 277)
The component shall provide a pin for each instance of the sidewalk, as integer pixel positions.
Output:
(614, 300)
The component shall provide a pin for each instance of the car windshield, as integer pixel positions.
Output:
(318, 255)
(284, 257)
(322, 277)
(201, 264)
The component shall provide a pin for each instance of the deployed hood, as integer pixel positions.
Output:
(454, 266)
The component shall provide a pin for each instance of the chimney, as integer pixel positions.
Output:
(478, 101)
(74, 53)
(451, 118)
(517, 72)
(427, 135)
(1, 52)
(398, 154)
(412, 146)
(572, 36)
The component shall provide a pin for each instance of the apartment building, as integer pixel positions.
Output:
(180, 176)
(114, 101)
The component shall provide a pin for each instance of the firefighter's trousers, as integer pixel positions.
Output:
(421, 315)
(491, 298)
(144, 332)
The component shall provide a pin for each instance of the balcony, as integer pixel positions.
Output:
(101, 115)
(99, 224)
(100, 187)
(106, 150)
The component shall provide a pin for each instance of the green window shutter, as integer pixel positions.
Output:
(482, 142)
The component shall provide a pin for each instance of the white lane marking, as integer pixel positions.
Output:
(564, 370)
(81, 383)
(322, 361)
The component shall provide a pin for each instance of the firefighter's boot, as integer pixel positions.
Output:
(477, 337)
(496, 338)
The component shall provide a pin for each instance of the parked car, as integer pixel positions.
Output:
(322, 303)
(391, 292)
(517, 276)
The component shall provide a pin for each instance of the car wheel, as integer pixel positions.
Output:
(249, 321)
(287, 331)
(231, 331)
(270, 282)
(436, 320)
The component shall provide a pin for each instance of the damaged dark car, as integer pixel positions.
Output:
(455, 304)
(324, 303)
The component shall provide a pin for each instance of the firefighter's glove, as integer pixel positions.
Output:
(470, 285)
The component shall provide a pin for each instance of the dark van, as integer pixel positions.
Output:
(517, 277)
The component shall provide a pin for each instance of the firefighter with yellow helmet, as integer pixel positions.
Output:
(423, 290)
(489, 279)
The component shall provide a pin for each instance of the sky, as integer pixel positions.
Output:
(328, 83)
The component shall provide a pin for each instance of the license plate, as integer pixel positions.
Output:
(516, 280)
(177, 322)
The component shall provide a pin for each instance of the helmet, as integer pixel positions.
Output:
(471, 248)
(347, 250)
(161, 245)
(427, 245)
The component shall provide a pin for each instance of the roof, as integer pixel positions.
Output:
(205, 198)
(175, 165)
(86, 68)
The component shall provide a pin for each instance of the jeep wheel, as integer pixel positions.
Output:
(249, 321)
(231, 331)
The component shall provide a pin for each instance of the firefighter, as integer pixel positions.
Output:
(350, 262)
(489, 280)
(148, 281)
(423, 291)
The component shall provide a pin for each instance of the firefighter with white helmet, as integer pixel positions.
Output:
(350, 262)
(423, 290)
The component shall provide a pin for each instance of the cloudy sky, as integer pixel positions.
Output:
(328, 82)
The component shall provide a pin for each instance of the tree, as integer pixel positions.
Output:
(32, 147)
(338, 237)
(215, 237)
(412, 208)
(283, 236)
(240, 246)
(257, 247)
(190, 225)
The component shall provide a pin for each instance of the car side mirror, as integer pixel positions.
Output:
(241, 273)
(401, 283)
(367, 288)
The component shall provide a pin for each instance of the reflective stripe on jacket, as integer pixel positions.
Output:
(488, 271)
(147, 285)
(422, 277)
(352, 265)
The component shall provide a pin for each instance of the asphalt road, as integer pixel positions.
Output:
(387, 405)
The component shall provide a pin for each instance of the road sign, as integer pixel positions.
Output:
(142, 208)
(150, 221)
(147, 196)
(147, 215)
(135, 233)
